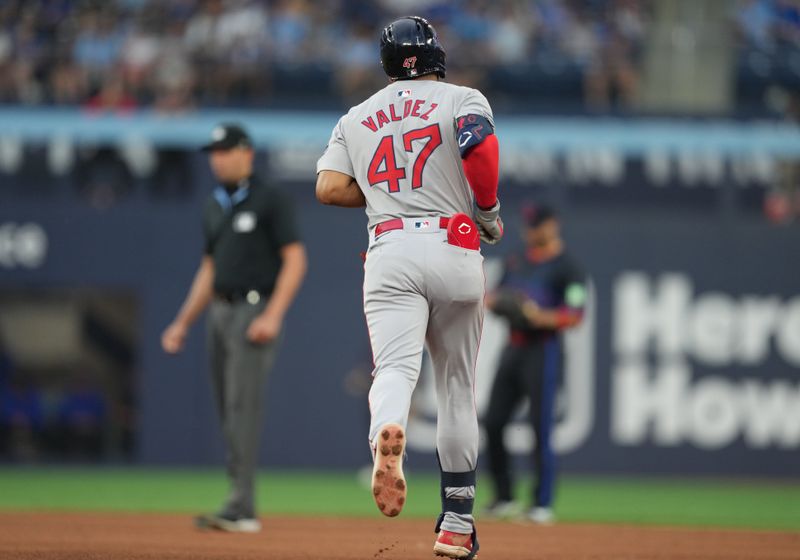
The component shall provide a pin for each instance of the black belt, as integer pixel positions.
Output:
(235, 296)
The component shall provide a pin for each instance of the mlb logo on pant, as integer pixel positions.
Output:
(424, 224)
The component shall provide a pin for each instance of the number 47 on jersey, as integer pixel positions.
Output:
(383, 166)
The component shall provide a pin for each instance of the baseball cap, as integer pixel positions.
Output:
(536, 214)
(226, 136)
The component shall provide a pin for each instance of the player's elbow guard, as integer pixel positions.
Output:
(480, 158)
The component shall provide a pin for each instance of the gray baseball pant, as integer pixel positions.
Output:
(418, 288)
(239, 370)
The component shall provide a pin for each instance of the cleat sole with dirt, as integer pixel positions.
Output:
(388, 482)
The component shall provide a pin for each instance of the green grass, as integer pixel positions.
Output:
(584, 499)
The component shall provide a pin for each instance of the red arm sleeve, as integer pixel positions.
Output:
(481, 169)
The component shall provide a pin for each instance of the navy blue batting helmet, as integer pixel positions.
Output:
(410, 48)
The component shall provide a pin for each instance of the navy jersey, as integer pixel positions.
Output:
(557, 283)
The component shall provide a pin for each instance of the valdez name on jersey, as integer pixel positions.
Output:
(411, 108)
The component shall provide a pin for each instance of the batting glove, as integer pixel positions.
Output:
(490, 226)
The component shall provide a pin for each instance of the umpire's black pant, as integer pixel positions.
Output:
(239, 370)
(528, 371)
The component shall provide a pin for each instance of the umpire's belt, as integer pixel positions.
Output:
(250, 296)
(411, 224)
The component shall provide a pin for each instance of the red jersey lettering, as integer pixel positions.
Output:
(370, 124)
(424, 116)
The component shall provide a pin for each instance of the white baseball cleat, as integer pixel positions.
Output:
(388, 482)
(228, 523)
(541, 516)
(502, 509)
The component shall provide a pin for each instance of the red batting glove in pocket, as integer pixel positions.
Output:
(462, 232)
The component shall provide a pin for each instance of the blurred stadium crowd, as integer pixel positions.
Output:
(769, 48)
(770, 25)
(177, 54)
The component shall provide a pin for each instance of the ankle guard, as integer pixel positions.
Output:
(461, 506)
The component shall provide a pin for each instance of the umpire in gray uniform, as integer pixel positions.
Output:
(252, 268)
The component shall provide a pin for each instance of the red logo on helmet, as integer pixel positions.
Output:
(410, 62)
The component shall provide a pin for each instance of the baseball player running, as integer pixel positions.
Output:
(419, 154)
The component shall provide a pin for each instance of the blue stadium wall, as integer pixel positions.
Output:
(688, 361)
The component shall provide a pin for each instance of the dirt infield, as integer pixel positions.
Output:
(74, 536)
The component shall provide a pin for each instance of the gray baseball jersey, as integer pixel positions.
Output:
(401, 147)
